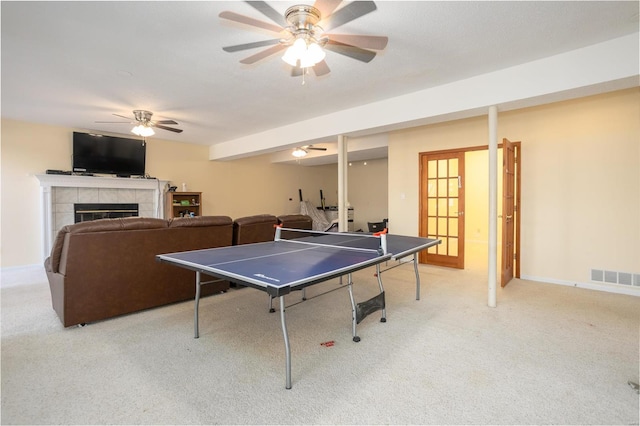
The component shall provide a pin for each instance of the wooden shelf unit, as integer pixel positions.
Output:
(176, 208)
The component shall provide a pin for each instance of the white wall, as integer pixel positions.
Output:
(580, 181)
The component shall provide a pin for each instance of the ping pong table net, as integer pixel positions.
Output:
(353, 241)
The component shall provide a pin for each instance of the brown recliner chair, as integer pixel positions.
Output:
(294, 221)
(254, 229)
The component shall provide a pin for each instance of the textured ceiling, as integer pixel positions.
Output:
(75, 63)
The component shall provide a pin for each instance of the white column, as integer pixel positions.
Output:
(47, 221)
(493, 205)
(343, 162)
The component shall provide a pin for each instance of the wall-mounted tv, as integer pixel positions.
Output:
(94, 153)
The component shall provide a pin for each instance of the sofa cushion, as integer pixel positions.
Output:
(100, 225)
(117, 224)
(183, 222)
(254, 229)
(294, 221)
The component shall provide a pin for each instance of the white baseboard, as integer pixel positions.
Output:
(609, 288)
(21, 275)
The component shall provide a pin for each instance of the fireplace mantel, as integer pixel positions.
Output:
(72, 181)
(49, 182)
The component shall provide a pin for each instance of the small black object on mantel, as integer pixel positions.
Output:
(58, 172)
(173, 188)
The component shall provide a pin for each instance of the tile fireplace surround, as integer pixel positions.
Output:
(60, 192)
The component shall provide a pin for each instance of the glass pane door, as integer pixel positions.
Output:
(442, 201)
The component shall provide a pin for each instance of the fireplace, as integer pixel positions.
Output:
(59, 194)
(91, 211)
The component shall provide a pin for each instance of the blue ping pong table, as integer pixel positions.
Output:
(281, 266)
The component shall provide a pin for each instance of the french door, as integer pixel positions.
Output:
(442, 207)
(510, 219)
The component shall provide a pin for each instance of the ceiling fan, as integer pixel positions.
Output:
(143, 123)
(305, 34)
(304, 150)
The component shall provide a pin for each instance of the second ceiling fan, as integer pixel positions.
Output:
(143, 123)
(304, 150)
(305, 33)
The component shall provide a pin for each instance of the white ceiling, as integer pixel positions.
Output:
(75, 63)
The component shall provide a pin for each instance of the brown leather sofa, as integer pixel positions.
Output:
(254, 229)
(294, 221)
(105, 268)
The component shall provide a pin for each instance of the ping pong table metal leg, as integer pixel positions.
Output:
(415, 268)
(361, 310)
(287, 348)
(384, 309)
(271, 309)
(354, 314)
(197, 302)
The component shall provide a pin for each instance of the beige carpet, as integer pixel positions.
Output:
(546, 355)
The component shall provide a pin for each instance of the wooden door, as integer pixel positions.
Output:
(442, 207)
(508, 210)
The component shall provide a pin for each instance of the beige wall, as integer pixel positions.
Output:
(367, 191)
(476, 208)
(580, 176)
(580, 181)
(234, 188)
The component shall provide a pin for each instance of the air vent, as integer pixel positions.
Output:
(611, 277)
(615, 277)
(624, 278)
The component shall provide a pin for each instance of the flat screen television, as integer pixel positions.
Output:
(94, 153)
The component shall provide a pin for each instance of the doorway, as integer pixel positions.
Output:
(471, 199)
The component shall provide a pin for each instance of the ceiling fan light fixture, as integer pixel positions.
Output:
(299, 152)
(312, 56)
(308, 54)
(143, 131)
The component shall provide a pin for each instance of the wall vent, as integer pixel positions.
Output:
(624, 278)
(615, 277)
(610, 277)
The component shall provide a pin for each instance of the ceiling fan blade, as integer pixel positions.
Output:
(316, 149)
(269, 12)
(362, 41)
(350, 51)
(253, 45)
(351, 11)
(326, 7)
(165, 122)
(126, 118)
(232, 16)
(263, 54)
(321, 68)
(296, 71)
(171, 129)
